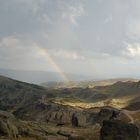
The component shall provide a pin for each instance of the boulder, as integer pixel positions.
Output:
(106, 114)
(119, 130)
(79, 120)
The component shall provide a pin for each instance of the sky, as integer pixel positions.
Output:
(91, 37)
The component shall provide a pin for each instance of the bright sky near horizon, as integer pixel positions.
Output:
(90, 37)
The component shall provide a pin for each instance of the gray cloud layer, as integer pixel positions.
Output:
(94, 37)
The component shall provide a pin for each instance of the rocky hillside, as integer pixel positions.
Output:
(34, 112)
(14, 94)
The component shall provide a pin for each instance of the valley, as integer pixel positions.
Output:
(29, 111)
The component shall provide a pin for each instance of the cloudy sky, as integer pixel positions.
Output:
(90, 37)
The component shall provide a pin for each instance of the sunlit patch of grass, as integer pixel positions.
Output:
(119, 102)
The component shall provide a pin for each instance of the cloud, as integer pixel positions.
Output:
(73, 13)
(133, 29)
(65, 54)
(132, 50)
(33, 5)
(9, 41)
(78, 42)
(17, 53)
(108, 19)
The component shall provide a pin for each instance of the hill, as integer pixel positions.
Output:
(85, 84)
(14, 93)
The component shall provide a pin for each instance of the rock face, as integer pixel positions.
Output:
(78, 120)
(64, 115)
(106, 114)
(54, 113)
(118, 130)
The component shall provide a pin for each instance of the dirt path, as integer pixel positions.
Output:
(129, 114)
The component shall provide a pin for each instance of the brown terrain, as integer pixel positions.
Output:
(107, 112)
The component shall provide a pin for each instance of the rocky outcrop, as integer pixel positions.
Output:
(119, 130)
(12, 128)
(64, 115)
(106, 114)
(79, 120)
(56, 114)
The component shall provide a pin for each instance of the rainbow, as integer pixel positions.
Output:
(44, 52)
